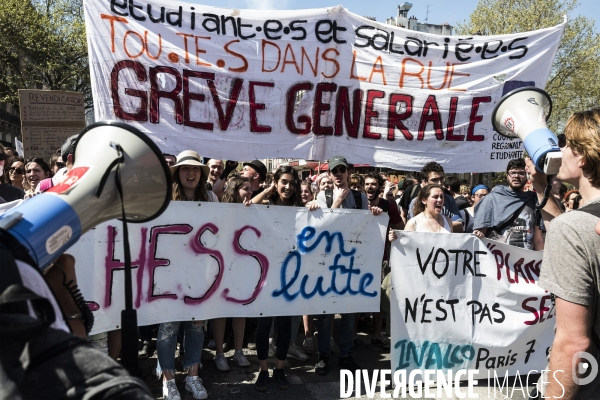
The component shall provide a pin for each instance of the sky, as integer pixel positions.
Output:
(440, 11)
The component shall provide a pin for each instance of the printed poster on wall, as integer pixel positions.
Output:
(308, 84)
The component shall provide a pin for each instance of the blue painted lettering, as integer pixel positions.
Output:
(309, 232)
(291, 286)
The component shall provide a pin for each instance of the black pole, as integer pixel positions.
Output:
(129, 334)
(129, 338)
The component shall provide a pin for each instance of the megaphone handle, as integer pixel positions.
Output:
(128, 315)
(541, 205)
(126, 250)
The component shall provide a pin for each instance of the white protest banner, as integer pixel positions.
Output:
(308, 84)
(465, 303)
(208, 260)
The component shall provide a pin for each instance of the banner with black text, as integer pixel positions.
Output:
(464, 303)
(308, 84)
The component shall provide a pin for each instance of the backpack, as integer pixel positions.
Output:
(357, 198)
(40, 362)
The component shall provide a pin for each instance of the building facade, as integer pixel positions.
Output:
(402, 20)
(10, 124)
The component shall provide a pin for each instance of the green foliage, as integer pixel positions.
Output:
(499, 178)
(573, 83)
(42, 46)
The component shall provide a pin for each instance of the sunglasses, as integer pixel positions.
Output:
(18, 171)
(562, 140)
(339, 170)
(60, 164)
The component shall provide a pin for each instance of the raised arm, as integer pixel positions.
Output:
(539, 181)
(265, 194)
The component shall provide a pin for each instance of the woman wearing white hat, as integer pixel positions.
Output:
(189, 184)
(189, 178)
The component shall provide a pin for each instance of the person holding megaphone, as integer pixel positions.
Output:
(571, 268)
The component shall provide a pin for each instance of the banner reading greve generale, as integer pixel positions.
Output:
(308, 84)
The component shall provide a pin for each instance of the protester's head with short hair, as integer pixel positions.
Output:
(570, 200)
(11, 152)
(373, 185)
(67, 151)
(170, 159)
(338, 170)
(287, 187)
(516, 175)
(563, 190)
(431, 197)
(255, 170)
(216, 169)
(479, 192)
(409, 180)
(238, 190)
(36, 170)
(357, 182)
(452, 183)
(324, 182)
(432, 173)
(466, 193)
(233, 175)
(268, 180)
(16, 172)
(399, 187)
(582, 139)
(306, 192)
(417, 178)
(56, 163)
(189, 177)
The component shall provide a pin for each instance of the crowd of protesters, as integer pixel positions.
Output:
(427, 201)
